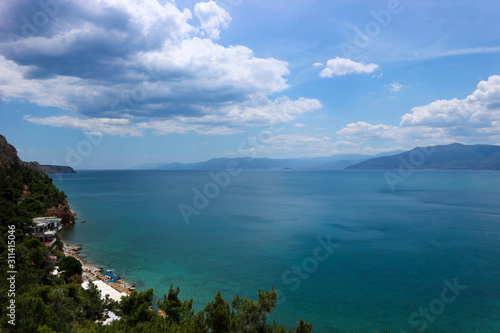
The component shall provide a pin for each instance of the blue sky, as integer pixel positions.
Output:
(112, 84)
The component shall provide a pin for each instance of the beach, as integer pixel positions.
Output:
(98, 277)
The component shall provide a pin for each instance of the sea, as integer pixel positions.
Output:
(346, 250)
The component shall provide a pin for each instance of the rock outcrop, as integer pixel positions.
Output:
(64, 212)
(8, 153)
(9, 158)
(53, 169)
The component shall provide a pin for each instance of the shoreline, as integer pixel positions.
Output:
(94, 273)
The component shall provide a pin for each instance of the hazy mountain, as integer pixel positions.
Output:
(339, 161)
(447, 157)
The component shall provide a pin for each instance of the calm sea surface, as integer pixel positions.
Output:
(346, 252)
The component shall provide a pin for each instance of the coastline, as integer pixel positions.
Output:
(94, 273)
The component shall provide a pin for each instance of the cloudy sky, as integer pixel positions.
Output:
(113, 84)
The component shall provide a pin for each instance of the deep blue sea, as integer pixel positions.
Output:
(346, 252)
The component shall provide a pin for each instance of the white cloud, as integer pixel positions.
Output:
(206, 67)
(479, 111)
(475, 118)
(273, 144)
(458, 52)
(93, 126)
(374, 151)
(212, 18)
(235, 118)
(143, 61)
(230, 120)
(343, 66)
(364, 131)
(394, 87)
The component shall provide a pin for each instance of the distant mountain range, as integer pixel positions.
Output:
(339, 161)
(448, 157)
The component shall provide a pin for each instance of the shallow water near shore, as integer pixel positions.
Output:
(393, 249)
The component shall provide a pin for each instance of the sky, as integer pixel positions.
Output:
(111, 84)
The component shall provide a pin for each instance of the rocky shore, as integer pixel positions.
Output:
(94, 273)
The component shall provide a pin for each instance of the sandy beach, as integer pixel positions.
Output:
(94, 273)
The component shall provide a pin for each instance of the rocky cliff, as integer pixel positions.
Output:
(64, 212)
(9, 158)
(8, 153)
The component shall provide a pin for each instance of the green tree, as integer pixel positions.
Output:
(33, 313)
(137, 307)
(174, 308)
(218, 315)
(252, 316)
(70, 266)
(303, 327)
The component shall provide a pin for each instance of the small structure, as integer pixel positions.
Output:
(111, 276)
(53, 259)
(111, 316)
(56, 271)
(46, 229)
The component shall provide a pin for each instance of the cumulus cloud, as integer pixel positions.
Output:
(343, 66)
(143, 61)
(212, 18)
(234, 118)
(478, 111)
(475, 118)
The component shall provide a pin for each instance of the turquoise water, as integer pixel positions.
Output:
(391, 252)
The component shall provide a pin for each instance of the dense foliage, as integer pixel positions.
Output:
(48, 303)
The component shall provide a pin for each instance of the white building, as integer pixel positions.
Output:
(46, 229)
